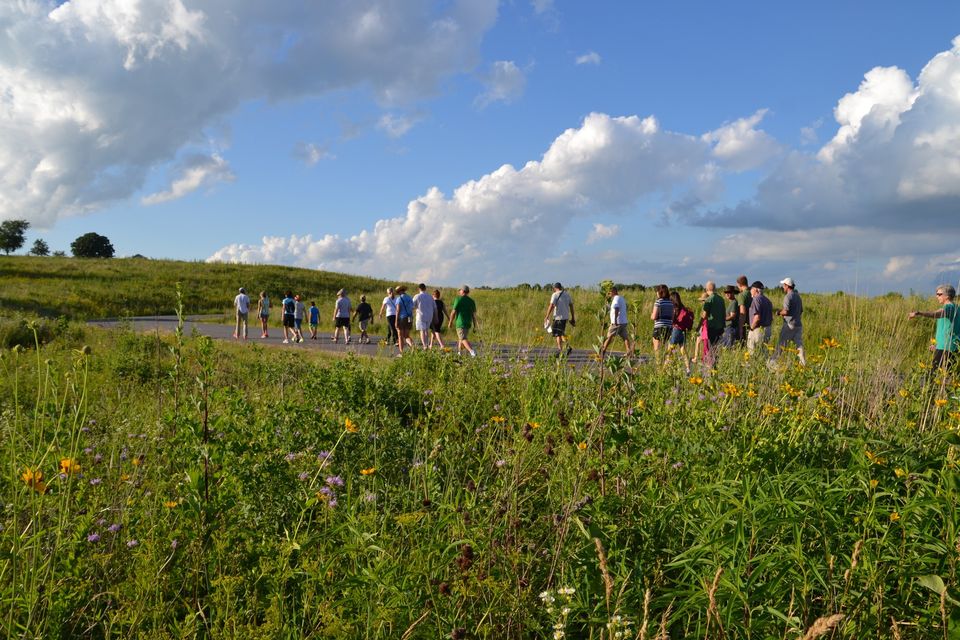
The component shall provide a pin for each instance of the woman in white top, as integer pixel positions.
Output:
(389, 307)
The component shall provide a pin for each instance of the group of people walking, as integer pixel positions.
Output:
(739, 316)
(745, 317)
(423, 311)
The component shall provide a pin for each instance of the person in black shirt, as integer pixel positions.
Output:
(364, 314)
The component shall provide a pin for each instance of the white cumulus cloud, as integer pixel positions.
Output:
(96, 93)
(506, 222)
(741, 146)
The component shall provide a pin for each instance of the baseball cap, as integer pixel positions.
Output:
(757, 285)
(789, 282)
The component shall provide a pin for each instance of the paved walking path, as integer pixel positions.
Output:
(377, 346)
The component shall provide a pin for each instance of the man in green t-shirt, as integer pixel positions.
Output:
(715, 312)
(743, 301)
(464, 316)
(948, 327)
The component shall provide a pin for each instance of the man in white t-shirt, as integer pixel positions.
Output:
(242, 304)
(618, 322)
(561, 307)
(424, 304)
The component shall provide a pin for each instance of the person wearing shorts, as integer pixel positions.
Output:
(618, 322)
(363, 314)
(732, 323)
(426, 309)
(263, 312)
(289, 306)
(760, 317)
(299, 313)
(341, 317)
(662, 315)
(404, 318)
(559, 312)
(682, 322)
(464, 316)
(314, 320)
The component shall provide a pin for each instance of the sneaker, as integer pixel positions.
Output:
(299, 340)
(569, 350)
(347, 342)
(473, 354)
(285, 341)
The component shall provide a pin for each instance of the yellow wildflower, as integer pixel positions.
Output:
(368, 472)
(751, 393)
(770, 410)
(582, 446)
(641, 404)
(894, 516)
(940, 402)
(33, 478)
(875, 459)
(696, 380)
(904, 393)
(170, 504)
(498, 419)
(900, 473)
(137, 460)
(874, 483)
(533, 425)
(830, 343)
(350, 426)
(730, 389)
(69, 466)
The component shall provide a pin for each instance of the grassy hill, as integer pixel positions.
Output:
(86, 289)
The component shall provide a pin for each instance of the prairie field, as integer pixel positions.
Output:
(161, 486)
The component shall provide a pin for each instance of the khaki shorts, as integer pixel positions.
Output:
(463, 333)
(618, 330)
(757, 337)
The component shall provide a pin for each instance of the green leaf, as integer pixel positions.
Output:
(933, 582)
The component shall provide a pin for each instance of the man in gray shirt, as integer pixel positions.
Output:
(760, 317)
(792, 329)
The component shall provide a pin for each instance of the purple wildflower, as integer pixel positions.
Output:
(304, 476)
(334, 481)
(113, 528)
(88, 450)
(648, 452)
(668, 402)
(370, 497)
(500, 462)
(290, 457)
(97, 458)
(701, 397)
(428, 392)
(327, 491)
(174, 543)
(332, 502)
(132, 543)
(323, 455)
(93, 537)
(95, 482)
(677, 464)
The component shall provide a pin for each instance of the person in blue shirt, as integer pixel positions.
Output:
(314, 320)
(404, 317)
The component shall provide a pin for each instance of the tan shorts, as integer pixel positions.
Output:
(463, 333)
(757, 337)
(618, 330)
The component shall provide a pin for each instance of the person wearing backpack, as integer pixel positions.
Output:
(682, 322)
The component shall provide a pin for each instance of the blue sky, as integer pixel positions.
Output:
(494, 143)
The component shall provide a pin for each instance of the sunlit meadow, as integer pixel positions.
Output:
(170, 486)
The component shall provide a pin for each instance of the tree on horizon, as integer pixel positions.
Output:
(40, 248)
(12, 234)
(92, 245)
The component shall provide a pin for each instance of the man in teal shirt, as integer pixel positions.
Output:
(464, 316)
(948, 327)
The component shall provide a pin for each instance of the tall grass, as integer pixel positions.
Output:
(228, 491)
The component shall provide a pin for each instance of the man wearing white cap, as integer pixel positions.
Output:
(792, 329)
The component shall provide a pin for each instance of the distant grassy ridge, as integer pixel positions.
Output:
(87, 289)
